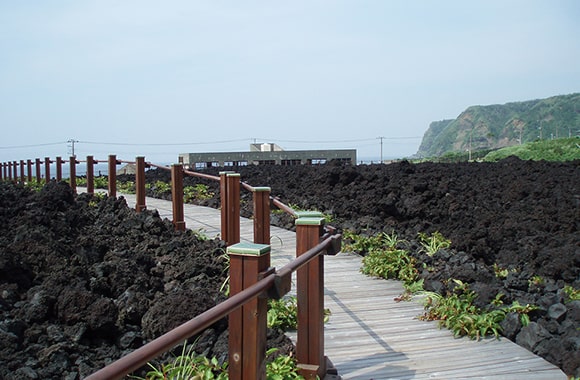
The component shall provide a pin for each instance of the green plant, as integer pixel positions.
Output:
(572, 293)
(283, 313)
(283, 367)
(411, 288)
(430, 244)
(363, 244)
(200, 234)
(35, 186)
(383, 256)
(101, 182)
(160, 187)
(97, 197)
(197, 192)
(127, 187)
(500, 272)
(536, 281)
(390, 263)
(188, 366)
(522, 310)
(456, 312)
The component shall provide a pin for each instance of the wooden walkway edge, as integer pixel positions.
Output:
(369, 335)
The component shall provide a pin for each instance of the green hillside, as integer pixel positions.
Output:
(550, 150)
(498, 126)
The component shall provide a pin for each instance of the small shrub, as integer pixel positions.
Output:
(188, 366)
(198, 192)
(572, 293)
(500, 272)
(457, 312)
(283, 367)
(430, 244)
(283, 313)
(127, 187)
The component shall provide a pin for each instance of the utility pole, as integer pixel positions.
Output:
(381, 138)
(72, 142)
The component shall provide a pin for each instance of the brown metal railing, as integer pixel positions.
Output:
(250, 276)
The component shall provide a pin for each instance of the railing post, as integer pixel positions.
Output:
(73, 173)
(261, 197)
(177, 196)
(47, 169)
(58, 168)
(224, 204)
(233, 194)
(112, 175)
(2, 171)
(247, 325)
(10, 170)
(230, 207)
(140, 184)
(310, 297)
(29, 170)
(38, 176)
(90, 175)
(22, 176)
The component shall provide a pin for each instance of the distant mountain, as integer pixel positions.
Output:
(498, 126)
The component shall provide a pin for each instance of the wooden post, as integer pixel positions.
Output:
(47, 169)
(22, 176)
(224, 204)
(233, 211)
(2, 174)
(310, 297)
(10, 170)
(29, 170)
(112, 175)
(58, 168)
(230, 207)
(248, 324)
(261, 198)
(15, 170)
(140, 184)
(90, 175)
(73, 173)
(38, 176)
(177, 196)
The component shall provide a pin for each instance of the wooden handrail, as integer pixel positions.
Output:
(308, 264)
(274, 284)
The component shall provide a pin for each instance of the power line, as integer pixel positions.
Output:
(341, 141)
(32, 146)
(162, 144)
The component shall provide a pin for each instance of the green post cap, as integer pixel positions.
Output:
(309, 214)
(232, 174)
(309, 221)
(256, 189)
(249, 249)
(226, 172)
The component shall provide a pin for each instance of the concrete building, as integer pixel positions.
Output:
(266, 154)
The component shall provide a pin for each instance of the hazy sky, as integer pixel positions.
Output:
(160, 78)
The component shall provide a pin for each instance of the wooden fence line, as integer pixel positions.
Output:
(250, 273)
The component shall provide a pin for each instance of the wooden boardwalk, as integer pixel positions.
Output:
(369, 335)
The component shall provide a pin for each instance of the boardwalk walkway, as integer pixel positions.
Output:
(369, 335)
